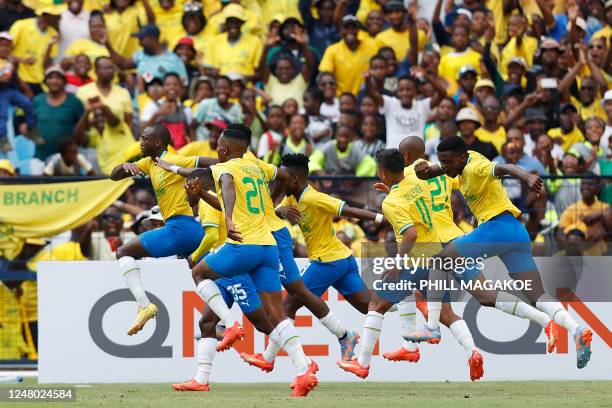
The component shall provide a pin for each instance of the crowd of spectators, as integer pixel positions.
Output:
(521, 81)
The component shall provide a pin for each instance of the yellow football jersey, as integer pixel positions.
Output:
(440, 190)
(270, 171)
(318, 211)
(168, 186)
(482, 190)
(251, 187)
(211, 217)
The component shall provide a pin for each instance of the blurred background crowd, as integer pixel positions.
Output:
(521, 81)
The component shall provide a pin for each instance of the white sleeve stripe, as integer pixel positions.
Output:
(493, 169)
(341, 208)
(275, 174)
(405, 227)
(210, 224)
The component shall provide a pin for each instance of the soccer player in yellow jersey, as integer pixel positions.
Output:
(242, 190)
(499, 231)
(180, 235)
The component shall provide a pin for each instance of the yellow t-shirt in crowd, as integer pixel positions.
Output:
(29, 41)
(575, 136)
(365, 6)
(525, 50)
(169, 21)
(439, 190)
(11, 337)
(452, 62)
(118, 100)
(348, 66)
(90, 48)
(198, 148)
(594, 109)
(270, 171)
(251, 186)
(168, 186)
(498, 138)
(242, 56)
(483, 190)
(200, 42)
(399, 41)
(269, 9)
(280, 92)
(604, 32)
(574, 213)
(110, 146)
(121, 26)
(252, 24)
(318, 211)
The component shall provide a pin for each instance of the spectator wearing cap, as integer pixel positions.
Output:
(282, 79)
(397, 36)
(252, 21)
(591, 149)
(322, 31)
(10, 93)
(186, 51)
(92, 45)
(468, 121)
(282, 40)
(12, 11)
(113, 100)
(153, 61)
(6, 169)
(235, 50)
(460, 56)
(349, 58)
(218, 107)
(491, 131)
(123, 20)
(519, 45)
(466, 79)
(193, 22)
(168, 17)
(535, 123)
(516, 70)
(170, 112)
(68, 161)
(484, 88)
(57, 112)
(35, 45)
(207, 148)
(568, 132)
(73, 26)
(549, 52)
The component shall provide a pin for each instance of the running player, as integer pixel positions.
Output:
(416, 232)
(499, 231)
(332, 263)
(181, 232)
(242, 190)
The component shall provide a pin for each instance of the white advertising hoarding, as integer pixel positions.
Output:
(85, 311)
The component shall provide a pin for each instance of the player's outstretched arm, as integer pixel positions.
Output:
(204, 161)
(282, 177)
(425, 172)
(228, 194)
(352, 212)
(181, 171)
(125, 170)
(533, 181)
(211, 200)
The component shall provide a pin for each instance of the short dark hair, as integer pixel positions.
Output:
(453, 144)
(223, 78)
(174, 75)
(408, 78)
(236, 134)
(314, 92)
(203, 174)
(96, 14)
(64, 143)
(390, 160)
(100, 58)
(297, 162)
(378, 57)
(161, 131)
(242, 128)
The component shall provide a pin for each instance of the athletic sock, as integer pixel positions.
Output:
(206, 355)
(463, 336)
(371, 332)
(557, 312)
(508, 303)
(434, 298)
(290, 341)
(333, 324)
(209, 291)
(407, 314)
(133, 280)
(273, 347)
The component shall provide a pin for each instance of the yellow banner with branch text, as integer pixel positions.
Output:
(47, 209)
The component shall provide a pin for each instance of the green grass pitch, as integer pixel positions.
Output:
(351, 395)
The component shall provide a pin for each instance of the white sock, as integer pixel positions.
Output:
(557, 312)
(206, 355)
(434, 298)
(407, 314)
(508, 303)
(273, 346)
(371, 332)
(133, 280)
(463, 336)
(209, 291)
(333, 324)
(290, 341)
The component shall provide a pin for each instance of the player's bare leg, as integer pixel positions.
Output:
(127, 255)
(204, 278)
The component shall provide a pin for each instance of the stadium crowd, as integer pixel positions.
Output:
(521, 81)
